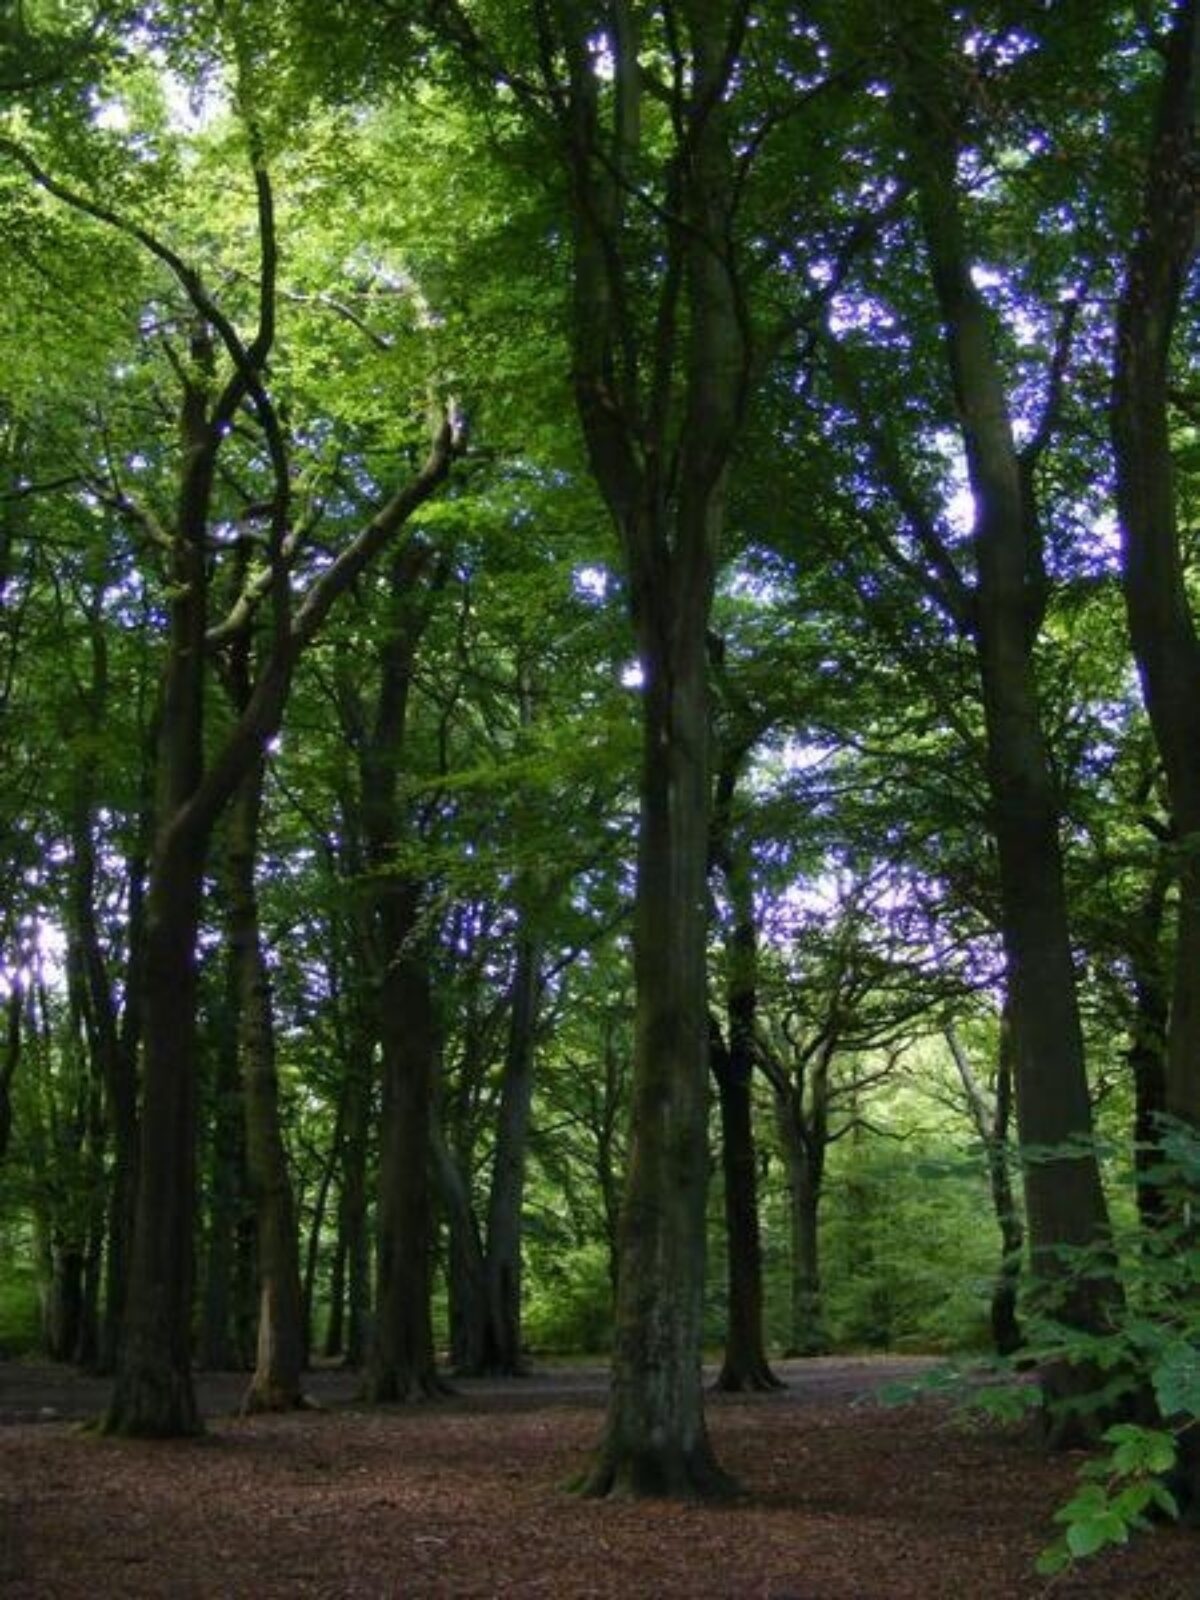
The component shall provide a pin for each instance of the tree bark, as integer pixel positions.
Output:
(153, 1395)
(466, 1268)
(226, 1188)
(1161, 621)
(503, 1353)
(402, 1364)
(401, 1361)
(277, 1383)
(745, 1365)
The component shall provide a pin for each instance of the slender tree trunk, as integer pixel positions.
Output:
(226, 1186)
(503, 1251)
(466, 1269)
(805, 1171)
(312, 1253)
(10, 1061)
(1147, 1052)
(353, 1218)
(123, 1097)
(277, 1381)
(991, 1124)
(745, 1366)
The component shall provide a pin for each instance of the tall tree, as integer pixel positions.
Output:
(1001, 612)
(1160, 610)
(661, 399)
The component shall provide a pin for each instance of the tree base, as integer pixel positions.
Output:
(266, 1398)
(395, 1388)
(754, 1377)
(656, 1475)
(1080, 1401)
(154, 1405)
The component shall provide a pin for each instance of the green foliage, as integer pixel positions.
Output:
(568, 1310)
(1119, 1493)
(20, 1313)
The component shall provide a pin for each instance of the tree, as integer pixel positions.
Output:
(1159, 608)
(1001, 614)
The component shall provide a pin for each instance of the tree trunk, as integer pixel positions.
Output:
(745, 1365)
(153, 1396)
(1161, 620)
(353, 1220)
(466, 1269)
(226, 1188)
(402, 1363)
(10, 1061)
(312, 1253)
(1147, 1049)
(991, 1125)
(279, 1362)
(656, 1440)
(805, 1171)
(660, 425)
(503, 1352)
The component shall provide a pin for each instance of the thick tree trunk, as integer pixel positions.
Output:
(656, 1441)
(401, 1361)
(402, 1364)
(1161, 620)
(153, 1395)
(660, 424)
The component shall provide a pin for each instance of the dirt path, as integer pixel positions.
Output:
(42, 1392)
(843, 1500)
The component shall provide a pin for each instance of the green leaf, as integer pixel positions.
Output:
(1085, 1538)
(1176, 1380)
(1053, 1559)
(1140, 1450)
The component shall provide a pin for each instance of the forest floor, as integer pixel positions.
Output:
(843, 1499)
